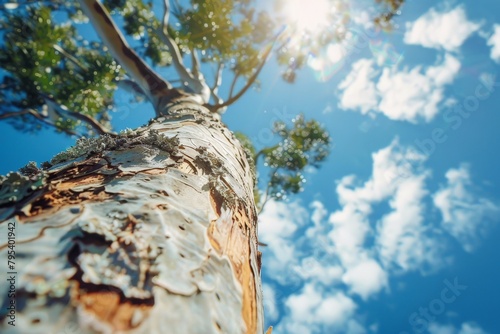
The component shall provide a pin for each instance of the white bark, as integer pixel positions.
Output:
(149, 81)
(194, 81)
(150, 232)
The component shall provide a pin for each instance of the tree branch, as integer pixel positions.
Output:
(262, 151)
(177, 10)
(90, 121)
(38, 116)
(131, 87)
(196, 63)
(217, 82)
(63, 111)
(266, 195)
(249, 83)
(33, 112)
(70, 57)
(149, 81)
(217, 100)
(196, 84)
(233, 84)
(218, 77)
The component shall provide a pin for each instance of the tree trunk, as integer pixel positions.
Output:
(151, 231)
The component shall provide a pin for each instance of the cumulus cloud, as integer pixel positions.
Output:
(312, 269)
(441, 30)
(471, 328)
(410, 95)
(272, 313)
(465, 216)
(359, 90)
(494, 42)
(277, 226)
(366, 278)
(402, 239)
(319, 212)
(435, 328)
(322, 261)
(465, 328)
(311, 311)
(405, 95)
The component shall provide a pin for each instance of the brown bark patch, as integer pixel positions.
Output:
(70, 192)
(58, 198)
(230, 236)
(91, 180)
(110, 308)
(187, 167)
(154, 171)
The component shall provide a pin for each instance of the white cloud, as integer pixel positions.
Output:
(445, 73)
(335, 309)
(311, 310)
(310, 268)
(435, 328)
(404, 241)
(331, 257)
(441, 30)
(405, 95)
(270, 307)
(402, 237)
(366, 278)
(465, 216)
(350, 228)
(319, 212)
(328, 109)
(281, 220)
(465, 328)
(278, 224)
(494, 42)
(471, 328)
(410, 95)
(359, 90)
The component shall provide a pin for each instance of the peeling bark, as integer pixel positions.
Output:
(152, 231)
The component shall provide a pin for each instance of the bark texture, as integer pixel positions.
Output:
(152, 231)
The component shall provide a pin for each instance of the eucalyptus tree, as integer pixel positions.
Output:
(152, 229)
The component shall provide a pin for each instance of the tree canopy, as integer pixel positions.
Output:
(56, 73)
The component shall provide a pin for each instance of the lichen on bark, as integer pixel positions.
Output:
(132, 232)
(125, 139)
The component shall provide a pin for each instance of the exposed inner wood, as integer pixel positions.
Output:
(110, 308)
(230, 235)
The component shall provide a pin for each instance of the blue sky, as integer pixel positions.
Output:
(397, 232)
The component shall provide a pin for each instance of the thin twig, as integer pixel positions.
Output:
(233, 84)
(249, 83)
(33, 112)
(218, 77)
(63, 111)
(217, 83)
(90, 121)
(266, 195)
(70, 57)
(38, 116)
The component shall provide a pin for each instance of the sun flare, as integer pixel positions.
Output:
(308, 15)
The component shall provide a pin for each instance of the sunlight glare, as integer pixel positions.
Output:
(308, 15)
